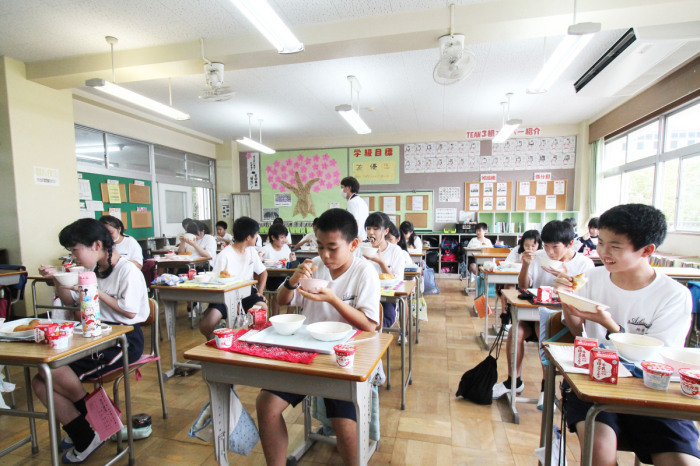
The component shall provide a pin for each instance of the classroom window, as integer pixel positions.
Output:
(657, 163)
(198, 168)
(89, 146)
(127, 154)
(169, 162)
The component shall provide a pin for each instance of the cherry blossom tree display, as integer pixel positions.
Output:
(308, 176)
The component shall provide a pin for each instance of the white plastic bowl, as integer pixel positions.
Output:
(313, 285)
(369, 251)
(545, 261)
(203, 277)
(681, 358)
(270, 262)
(328, 331)
(76, 269)
(579, 302)
(287, 324)
(636, 347)
(67, 278)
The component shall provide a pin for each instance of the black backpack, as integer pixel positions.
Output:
(477, 383)
(431, 258)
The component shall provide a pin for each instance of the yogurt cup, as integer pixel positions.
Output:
(657, 375)
(224, 338)
(57, 341)
(344, 355)
(690, 382)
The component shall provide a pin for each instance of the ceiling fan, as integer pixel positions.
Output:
(455, 63)
(214, 91)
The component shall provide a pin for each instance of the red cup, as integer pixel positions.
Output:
(690, 382)
(224, 337)
(344, 355)
(191, 274)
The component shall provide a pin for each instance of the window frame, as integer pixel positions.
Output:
(657, 160)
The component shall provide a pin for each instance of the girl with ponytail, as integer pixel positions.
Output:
(123, 300)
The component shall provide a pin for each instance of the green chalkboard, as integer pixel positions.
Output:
(126, 205)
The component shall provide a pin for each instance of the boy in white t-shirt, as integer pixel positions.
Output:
(480, 242)
(352, 296)
(309, 238)
(557, 238)
(276, 248)
(642, 301)
(203, 245)
(222, 236)
(242, 261)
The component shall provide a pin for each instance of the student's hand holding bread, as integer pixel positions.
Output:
(563, 281)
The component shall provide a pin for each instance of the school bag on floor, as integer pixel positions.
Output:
(429, 285)
(477, 383)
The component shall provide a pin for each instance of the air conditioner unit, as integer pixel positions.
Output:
(639, 58)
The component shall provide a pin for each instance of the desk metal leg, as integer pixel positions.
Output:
(127, 402)
(220, 395)
(51, 408)
(36, 315)
(548, 414)
(411, 317)
(513, 334)
(170, 309)
(402, 324)
(30, 407)
(486, 335)
(587, 449)
(362, 397)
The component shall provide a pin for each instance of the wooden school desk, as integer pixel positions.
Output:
(520, 309)
(497, 278)
(28, 354)
(170, 295)
(680, 274)
(402, 294)
(417, 276)
(323, 377)
(165, 264)
(303, 254)
(628, 396)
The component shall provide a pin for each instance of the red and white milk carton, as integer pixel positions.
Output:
(43, 330)
(582, 351)
(259, 317)
(603, 365)
(545, 294)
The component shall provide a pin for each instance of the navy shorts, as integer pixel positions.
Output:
(643, 434)
(109, 358)
(246, 303)
(334, 408)
(389, 314)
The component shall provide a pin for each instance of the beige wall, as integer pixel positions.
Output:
(36, 124)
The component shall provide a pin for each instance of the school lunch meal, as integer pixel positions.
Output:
(386, 276)
(579, 281)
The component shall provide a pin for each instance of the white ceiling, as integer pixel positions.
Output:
(390, 45)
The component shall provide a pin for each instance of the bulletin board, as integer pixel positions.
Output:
(414, 206)
(287, 183)
(492, 190)
(558, 199)
(136, 202)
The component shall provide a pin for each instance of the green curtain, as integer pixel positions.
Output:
(594, 174)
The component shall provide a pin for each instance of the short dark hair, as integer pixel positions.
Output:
(278, 220)
(186, 221)
(377, 219)
(394, 230)
(277, 230)
(352, 183)
(244, 227)
(481, 226)
(202, 227)
(593, 223)
(558, 231)
(87, 231)
(338, 220)
(571, 221)
(192, 228)
(222, 224)
(114, 222)
(529, 234)
(315, 222)
(641, 223)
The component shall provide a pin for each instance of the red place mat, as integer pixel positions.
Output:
(269, 352)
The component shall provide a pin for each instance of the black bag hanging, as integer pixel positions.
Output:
(477, 383)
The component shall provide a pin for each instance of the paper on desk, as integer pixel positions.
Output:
(564, 356)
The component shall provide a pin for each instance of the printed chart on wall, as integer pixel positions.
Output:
(541, 195)
(302, 185)
(375, 165)
(416, 206)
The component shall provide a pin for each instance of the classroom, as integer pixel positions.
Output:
(444, 114)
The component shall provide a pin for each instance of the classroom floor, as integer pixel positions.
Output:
(435, 429)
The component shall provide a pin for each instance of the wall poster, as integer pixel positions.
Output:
(375, 165)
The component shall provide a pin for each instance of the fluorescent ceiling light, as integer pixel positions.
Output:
(573, 43)
(353, 118)
(96, 149)
(255, 145)
(270, 25)
(507, 130)
(135, 98)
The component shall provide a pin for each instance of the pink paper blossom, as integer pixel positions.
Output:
(277, 163)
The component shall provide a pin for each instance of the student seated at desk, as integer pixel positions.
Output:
(123, 300)
(280, 221)
(411, 239)
(242, 261)
(557, 237)
(394, 236)
(276, 247)
(529, 242)
(222, 236)
(389, 258)
(590, 239)
(310, 238)
(203, 245)
(480, 242)
(126, 246)
(353, 297)
(641, 301)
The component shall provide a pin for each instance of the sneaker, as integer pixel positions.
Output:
(66, 443)
(73, 457)
(500, 389)
(540, 403)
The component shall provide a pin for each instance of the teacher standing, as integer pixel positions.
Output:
(356, 206)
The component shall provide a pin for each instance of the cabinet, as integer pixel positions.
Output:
(520, 222)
